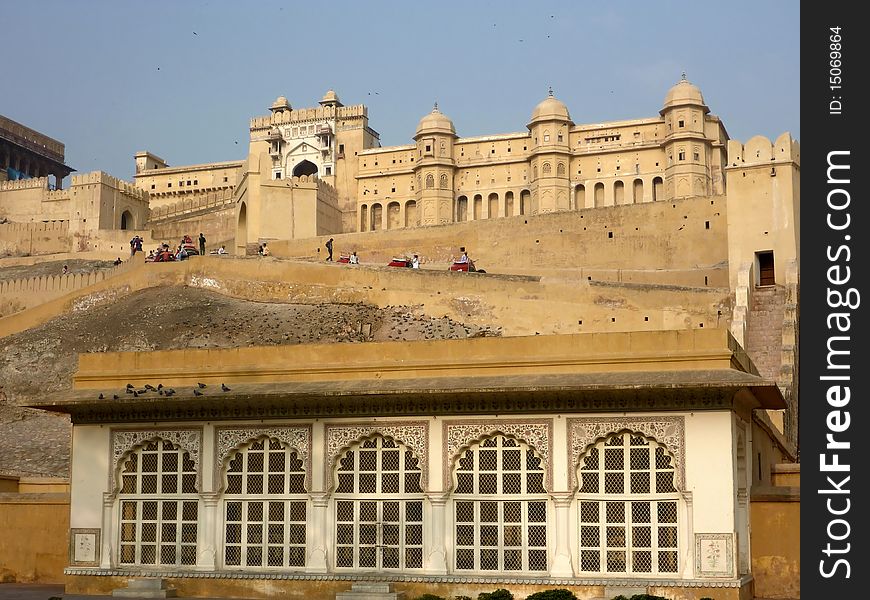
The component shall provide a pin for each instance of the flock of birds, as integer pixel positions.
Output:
(161, 390)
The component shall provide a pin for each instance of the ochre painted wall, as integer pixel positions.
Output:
(34, 529)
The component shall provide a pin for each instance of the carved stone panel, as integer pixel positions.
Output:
(459, 435)
(124, 440)
(412, 434)
(668, 431)
(714, 555)
(228, 439)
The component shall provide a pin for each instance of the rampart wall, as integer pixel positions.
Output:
(20, 239)
(681, 242)
(20, 294)
(519, 305)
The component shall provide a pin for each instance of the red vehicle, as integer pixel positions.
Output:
(344, 258)
(400, 262)
(465, 267)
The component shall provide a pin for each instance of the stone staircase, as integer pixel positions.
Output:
(370, 591)
(146, 587)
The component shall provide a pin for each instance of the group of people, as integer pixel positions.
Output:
(184, 249)
(264, 249)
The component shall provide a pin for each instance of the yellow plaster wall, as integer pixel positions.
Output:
(22, 239)
(670, 241)
(776, 542)
(34, 532)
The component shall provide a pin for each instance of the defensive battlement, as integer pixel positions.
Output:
(309, 114)
(24, 184)
(203, 201)
(99, 177)
(760, 151)
(8, 229)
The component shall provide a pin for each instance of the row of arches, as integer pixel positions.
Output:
(618, 193)
(393, 215)
(498, 515)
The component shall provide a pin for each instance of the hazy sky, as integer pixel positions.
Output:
(183, 78)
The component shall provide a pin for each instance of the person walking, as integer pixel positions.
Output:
(329, 249)
(201, 244)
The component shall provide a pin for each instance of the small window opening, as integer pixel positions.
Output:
(766, 272)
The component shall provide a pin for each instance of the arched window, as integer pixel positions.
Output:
(159, 506)
(628, 507)
(500, 508)
(545, 168)
(444, 181)
(560, 169)
(378, 508)
(265, 507)
(430, 181)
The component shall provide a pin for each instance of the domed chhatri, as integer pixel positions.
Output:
(435, 122)
(280, 103)
(330, 98)
(684, 93)
(549, 109)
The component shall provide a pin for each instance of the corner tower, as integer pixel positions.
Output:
(550, 155)
(434, 168)
(687, 149)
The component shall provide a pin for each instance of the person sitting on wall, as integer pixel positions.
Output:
(354, 259)
(118, 261)
(265, 249)
(260, 250)
(464, 257)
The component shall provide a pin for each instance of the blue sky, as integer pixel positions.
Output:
(183, 78)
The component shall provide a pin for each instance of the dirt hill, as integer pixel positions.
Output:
(42, 360)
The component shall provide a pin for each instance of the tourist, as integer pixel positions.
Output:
(329, 249)
(265, 249)
(415, 262)
(222, 249)
(138, 245)
(354, 259)
(65, 270)
(118, 261)
(464, 257)
(260, 250)
(201, 244)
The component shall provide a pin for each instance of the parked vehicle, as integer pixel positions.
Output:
(465, 267)
(400, 262)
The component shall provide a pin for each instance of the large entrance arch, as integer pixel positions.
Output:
(242, 230)
(127, 220)
(306, 167)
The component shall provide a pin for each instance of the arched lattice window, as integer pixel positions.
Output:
(443, 181)
(500, 508)
(545, 168)
(628, 507)
(159, 506)
(430, 181)
(265, 507)
(378, 508)
(560, 169)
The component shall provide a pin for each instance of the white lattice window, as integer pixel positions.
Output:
(265, 507)
(628, 507)
(500, 508)
(378, 508)
(159, 506)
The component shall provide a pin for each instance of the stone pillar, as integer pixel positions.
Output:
(107, 534)
(206, 533)
(436, 557)
(317, 557)
(562, 557)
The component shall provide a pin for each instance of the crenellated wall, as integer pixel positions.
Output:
(20, 294)
(22, 239)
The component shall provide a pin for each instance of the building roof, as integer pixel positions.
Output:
(685, 93)
(435, 122)
(550, 109)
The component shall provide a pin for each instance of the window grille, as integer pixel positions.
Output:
(378, 508)
(265, 507)
(500, 508)
(159, 507)
(628, 508)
